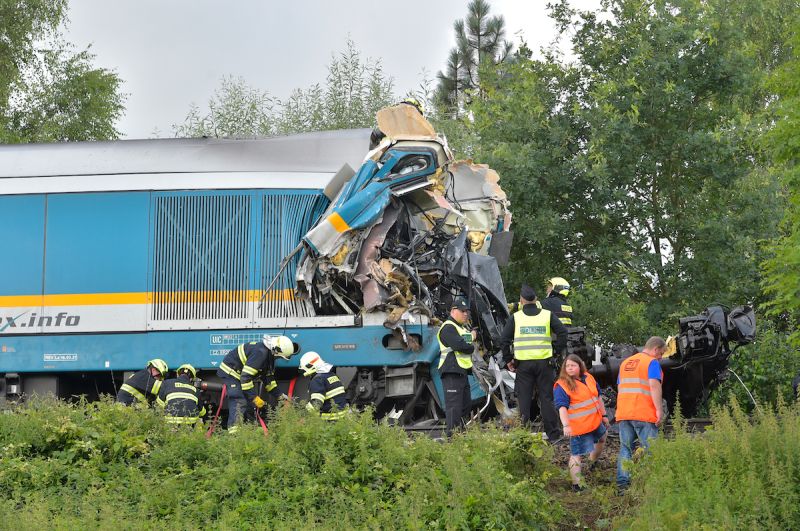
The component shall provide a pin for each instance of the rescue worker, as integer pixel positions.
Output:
(455, 363)
(529, 331)
(639, 404)
(143, 386)
(243, 365)
(180, 398)
(377, 135)
(556, 300)
(326, 389)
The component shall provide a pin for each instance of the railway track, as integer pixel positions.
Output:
(436, 430)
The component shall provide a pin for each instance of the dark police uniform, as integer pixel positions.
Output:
(532, 373)
(239, 370)
(455, 364)
(327, 395)
(180, 401)
(140, 387)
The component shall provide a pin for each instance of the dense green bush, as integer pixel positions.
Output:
(100, 466)
(741, 474)
(767, 368)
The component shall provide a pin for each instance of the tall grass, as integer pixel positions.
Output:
(741, 474)
(101, 466)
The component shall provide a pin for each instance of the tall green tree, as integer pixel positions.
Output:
(354, 90)
(782, 269)
(48, 91)
(480, 41)
(634, 167)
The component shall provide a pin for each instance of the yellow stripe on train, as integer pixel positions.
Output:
(176, 297)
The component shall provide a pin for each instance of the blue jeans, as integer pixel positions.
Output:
(629, 431)
(584, 444)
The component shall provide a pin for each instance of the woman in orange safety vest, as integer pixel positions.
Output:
(576, 395)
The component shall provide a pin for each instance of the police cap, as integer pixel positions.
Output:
(527, 293)
(460, 303)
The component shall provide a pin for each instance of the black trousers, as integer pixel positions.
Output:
(457, 400)
(537, 376)
(239, 410)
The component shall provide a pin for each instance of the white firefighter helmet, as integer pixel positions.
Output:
(159, 365)
(310, 363)
(281, 346)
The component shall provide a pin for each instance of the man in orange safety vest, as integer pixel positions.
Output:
(639, 405)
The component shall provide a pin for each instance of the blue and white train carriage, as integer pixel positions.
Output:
(118, 252)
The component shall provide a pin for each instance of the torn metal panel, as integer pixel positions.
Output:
(404, 121)
(370, 274)
(409, 231)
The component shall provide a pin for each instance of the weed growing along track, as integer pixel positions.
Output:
(103, 466)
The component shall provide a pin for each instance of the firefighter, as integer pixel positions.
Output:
(327, 392)
(639, 404)
(455, 363)
(179, 397)
(556, 300)
(243, 365)
(143, 386)
(529, 331)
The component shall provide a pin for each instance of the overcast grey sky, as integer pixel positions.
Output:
(171, 53)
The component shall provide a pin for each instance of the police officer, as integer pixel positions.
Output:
(556, 300)
(327, 392)
(243, 365)
(143, 386)
(179, 397)
(529, 331)
(455, 363)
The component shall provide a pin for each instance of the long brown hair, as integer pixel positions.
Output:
(566, 379)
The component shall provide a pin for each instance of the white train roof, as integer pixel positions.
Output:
(306, 160)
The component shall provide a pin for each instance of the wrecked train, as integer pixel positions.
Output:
(130, 250)
(696, 361)
(181, 249)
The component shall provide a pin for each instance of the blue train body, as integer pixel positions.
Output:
(117, 253)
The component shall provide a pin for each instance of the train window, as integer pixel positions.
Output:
(393, 342)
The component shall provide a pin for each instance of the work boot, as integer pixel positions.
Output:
(578, 487)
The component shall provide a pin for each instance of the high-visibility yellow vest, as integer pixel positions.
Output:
(532, 339)
(464, 360)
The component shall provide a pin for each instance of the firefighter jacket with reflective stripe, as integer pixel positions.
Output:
(139, 387)
(248, 362)
(455, 348)
(532, 339)
(180, 401)
(634, 401)
(583, 412)
(558, 305)
(327, 396)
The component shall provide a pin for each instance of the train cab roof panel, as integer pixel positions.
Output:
(306, 160)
